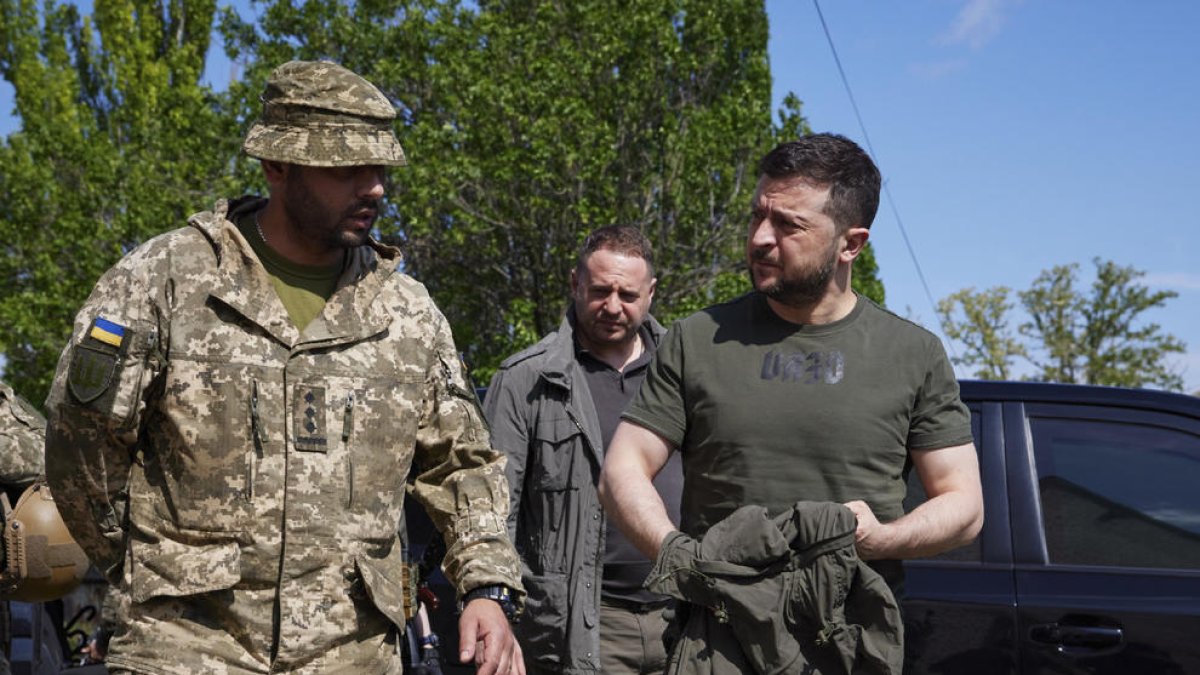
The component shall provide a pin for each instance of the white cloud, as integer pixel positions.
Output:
(977, 23)
(1180, 281)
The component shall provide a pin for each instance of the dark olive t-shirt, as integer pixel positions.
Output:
(303, 289)
(768, 412)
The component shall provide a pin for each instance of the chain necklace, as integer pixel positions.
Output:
(258, 226)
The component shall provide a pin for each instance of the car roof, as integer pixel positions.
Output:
(1048, 392)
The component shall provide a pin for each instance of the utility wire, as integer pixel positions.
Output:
(887, 191)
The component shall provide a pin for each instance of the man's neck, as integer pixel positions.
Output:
(832, 307)
(279, 234)
(617, 356)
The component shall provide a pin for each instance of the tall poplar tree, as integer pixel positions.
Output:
(118, 141)
(528, 123)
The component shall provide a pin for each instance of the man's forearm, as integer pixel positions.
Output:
(947, 521)
(635, 507)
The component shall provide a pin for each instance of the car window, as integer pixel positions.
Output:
(1118, 493)
(916, 496)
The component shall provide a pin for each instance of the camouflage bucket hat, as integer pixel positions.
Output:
(318, 113)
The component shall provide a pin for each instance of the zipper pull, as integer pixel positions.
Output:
(256, 432)
(348, 417)
(347, 427)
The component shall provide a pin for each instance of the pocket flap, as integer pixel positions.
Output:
(385, 582)
(170, 568)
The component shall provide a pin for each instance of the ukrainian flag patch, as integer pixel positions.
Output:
(107, 332)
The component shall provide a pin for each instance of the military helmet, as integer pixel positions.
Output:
(41, 560)
(317, 113)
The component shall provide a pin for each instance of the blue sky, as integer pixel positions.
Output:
(1014, 135)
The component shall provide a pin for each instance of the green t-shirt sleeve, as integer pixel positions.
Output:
(659, 404)
(939, 419)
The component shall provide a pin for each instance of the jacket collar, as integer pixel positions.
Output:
(242, 283)
(560, 362)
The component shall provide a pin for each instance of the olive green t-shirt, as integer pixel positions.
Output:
(304, 289)
(768, 412)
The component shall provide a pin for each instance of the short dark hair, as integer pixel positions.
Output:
(836, 161)
(624, 239)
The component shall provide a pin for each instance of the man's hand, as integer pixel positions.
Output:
(950, 517)
(486, 636)
(870, 534)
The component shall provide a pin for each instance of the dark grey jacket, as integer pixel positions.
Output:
(779, 595)
(543, 419)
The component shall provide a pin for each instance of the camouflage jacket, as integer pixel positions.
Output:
(22, 433)
(244, 481)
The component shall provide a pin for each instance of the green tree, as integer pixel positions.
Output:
(1074, 336)
(1096, 338)
(529, 123)
(980, 322)
(117, 142)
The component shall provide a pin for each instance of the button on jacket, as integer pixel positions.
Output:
(543, 418)
(243, 481)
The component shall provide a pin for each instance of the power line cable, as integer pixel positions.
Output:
(887, 191)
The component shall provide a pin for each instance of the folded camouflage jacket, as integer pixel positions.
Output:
(779, 595)
(242, 481)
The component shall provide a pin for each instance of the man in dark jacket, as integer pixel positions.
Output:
(553, 408)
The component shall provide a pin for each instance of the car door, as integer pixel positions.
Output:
(958, 610)
(1106, 538)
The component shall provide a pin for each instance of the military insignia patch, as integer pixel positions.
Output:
(308, 419)
(107, 332)
(91, 371)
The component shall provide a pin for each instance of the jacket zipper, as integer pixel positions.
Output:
(347, 426)
(256, 452)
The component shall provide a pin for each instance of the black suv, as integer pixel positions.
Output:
(1089, 559)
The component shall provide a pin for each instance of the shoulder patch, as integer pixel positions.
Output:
(91, 371)
(107, 332)
(94, 360)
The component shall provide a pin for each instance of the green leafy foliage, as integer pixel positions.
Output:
(118, 142)
(527, 124)
(1093, 337)
(980, 322)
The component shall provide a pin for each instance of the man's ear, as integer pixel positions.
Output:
(275, 172)
(574, 281)
(853, 242)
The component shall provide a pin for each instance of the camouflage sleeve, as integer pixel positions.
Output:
(461, 482)
(96, 405)
(22, 437)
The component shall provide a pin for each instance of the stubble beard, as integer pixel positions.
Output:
(317, 223)
(804, 289)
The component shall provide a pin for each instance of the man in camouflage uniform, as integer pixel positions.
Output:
(234, 418)
(22, 430)
(22, 433)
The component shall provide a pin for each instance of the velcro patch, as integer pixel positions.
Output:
(309, 419)
(92, 370)
(106, 331)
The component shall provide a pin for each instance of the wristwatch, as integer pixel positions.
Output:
(499, 593)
